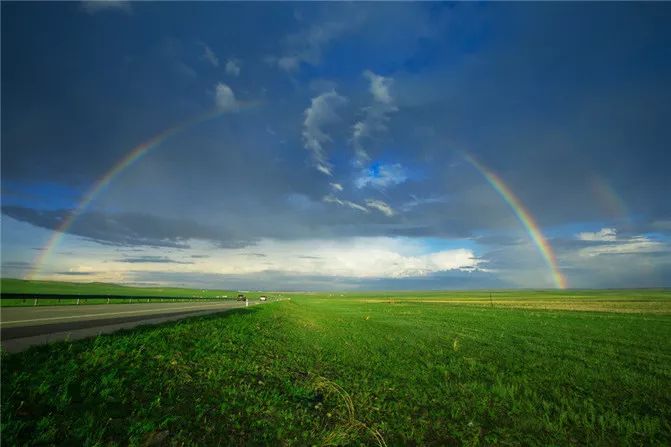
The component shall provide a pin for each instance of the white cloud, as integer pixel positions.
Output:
(306, 46)
(382, 176)
(379, 87)
(333, 199)
(381, 206)
(419, 201)
(233, 67)
(633, 245)
(610, 243)
(322, 112)
(605, 234)
(336, 186)
(375, 116)
(366, 257)
(209, 56)
(93, 7)
(225, 98)
(288, 63)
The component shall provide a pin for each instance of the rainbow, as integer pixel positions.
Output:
(130, 158)
(525, 217)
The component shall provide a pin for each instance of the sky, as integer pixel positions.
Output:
(337, 146)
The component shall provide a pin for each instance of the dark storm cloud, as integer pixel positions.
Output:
(123, 228)
(493, 100)
(16, 264)
(567, 103)
(15, 268)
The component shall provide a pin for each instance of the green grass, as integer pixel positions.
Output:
(66, 293)
(358, 369)
(11, 285)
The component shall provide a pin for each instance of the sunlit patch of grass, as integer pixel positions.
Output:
(654, 307)
(656, 301)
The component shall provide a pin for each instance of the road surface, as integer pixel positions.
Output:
(22, 327)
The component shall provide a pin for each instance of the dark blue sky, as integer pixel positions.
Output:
(337, 155)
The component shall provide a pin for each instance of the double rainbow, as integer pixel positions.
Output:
(139, 151)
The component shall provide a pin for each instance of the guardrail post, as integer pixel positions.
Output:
(77, 300)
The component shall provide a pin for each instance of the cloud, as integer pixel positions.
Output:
(322, 112)
(333, 199)
(382, 176)
(18, 268)
(79, 270)
(381, 206)
(254, 255)
(126, 229)
(379, 87)
(16, 264)
(288, 63)
(233, 67)
(225, 98)
(212, 58)
(336, 187)
(94, 7)
(607, 242)
(350, 257)
(152, 259)
(633, 245)
(307, 45)
(605, 234)
(375, 116)
(415, 201)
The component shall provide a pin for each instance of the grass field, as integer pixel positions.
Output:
(70, 293)
(11, 285)
(372, 369)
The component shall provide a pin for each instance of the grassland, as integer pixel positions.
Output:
(372, 369)
(54, 293)
(10, 285)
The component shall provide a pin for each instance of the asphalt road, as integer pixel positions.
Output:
(22, 327)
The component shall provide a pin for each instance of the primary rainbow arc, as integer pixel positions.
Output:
(129, 159)
(525, 218)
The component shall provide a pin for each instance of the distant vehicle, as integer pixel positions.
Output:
(263, 298)
(241, 297)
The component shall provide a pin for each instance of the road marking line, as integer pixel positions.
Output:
(103, 314)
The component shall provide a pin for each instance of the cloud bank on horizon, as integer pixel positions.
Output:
(334, 153)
